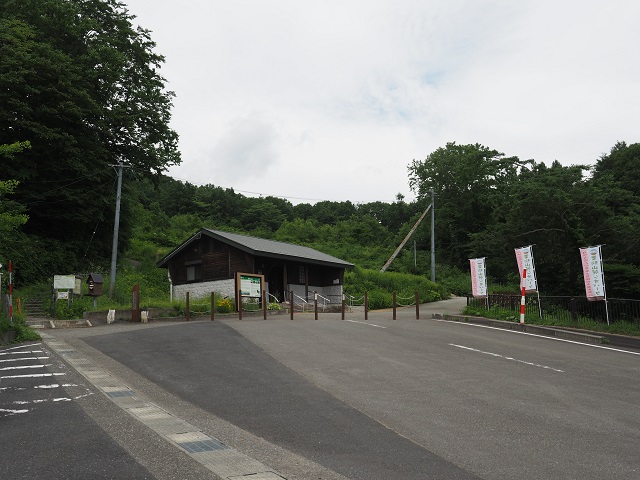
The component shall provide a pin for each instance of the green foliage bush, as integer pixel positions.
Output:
(224, 305)
(24, 333)
(381, 285)
(555, 318)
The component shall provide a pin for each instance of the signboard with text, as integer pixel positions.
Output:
(249, 285)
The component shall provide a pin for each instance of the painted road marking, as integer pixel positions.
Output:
(22, 359)
(32, 357)
(7, 351)
(365, 323)
(34, 375)
(540, 336)
(507, 358)
(23, 367)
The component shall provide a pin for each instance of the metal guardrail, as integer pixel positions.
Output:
(566, 307)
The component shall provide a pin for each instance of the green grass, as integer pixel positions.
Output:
(582, 323)
(24, 333)
(381, 285)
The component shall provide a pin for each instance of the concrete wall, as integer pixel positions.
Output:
(226, 288)
(203, 289)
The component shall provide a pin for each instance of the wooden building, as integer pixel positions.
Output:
(209, 260)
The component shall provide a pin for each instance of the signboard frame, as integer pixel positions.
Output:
(248, 285)
(64, 282)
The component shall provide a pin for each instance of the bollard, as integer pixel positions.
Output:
(213, 306)
(315, 305)
(264, 305)
(366, 306)
(343, 306)
(239, 302)
(291, 303)
(417, 305)
(394, 305)
(187, 307)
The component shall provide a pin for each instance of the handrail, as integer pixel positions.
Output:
(353, 300)
(272, 296)
(313, 295)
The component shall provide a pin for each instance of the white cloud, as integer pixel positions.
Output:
(332, 100)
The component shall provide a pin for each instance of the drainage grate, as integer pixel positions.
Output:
(120, 393)
(202, 446)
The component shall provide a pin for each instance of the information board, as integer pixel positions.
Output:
(249, 285)
(64, 282)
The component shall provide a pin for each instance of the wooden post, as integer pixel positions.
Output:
(213, 306)
(417, 305)
(394, 305)
(366, 306)
(264, 304)
(187, 307)
(343, 306)
(291, 303)
(135, 303)
(315, 304)
(239, 297)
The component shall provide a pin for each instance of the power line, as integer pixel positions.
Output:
(284, 197)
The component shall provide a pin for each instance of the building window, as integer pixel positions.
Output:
(194, 272)
(302, 278)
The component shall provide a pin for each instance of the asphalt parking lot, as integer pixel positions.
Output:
(373, 399)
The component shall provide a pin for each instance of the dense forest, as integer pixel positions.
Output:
(80, 94)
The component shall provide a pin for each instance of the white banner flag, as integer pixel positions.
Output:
(593, 273)
(524, 257)
(478, 277)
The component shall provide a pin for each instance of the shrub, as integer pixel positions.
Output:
(24, 333)
(224, 305)
(381, 285)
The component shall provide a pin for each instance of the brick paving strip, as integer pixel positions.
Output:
(210, 452)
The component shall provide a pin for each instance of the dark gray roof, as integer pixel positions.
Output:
(264, 248)
(96, 277)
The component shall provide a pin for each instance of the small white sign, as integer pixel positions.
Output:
(64, 282)
(63, 295)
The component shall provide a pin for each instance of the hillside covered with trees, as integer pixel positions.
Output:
(80, 93)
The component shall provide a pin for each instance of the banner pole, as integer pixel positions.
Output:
(523, 297)
(539, 305)
(604, 287)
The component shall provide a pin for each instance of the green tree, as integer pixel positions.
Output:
(546, 207)
(468, 181)
(82, 84)
(12, 214)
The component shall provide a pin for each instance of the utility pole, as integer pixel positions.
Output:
(406, 239)
(433, 238)
(116, 227)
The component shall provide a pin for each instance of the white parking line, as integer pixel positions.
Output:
(34, 375)
(7, 351)
(540, 336)
(23, 359)
(22, 367)
(365, 323)
(12, 412)
(507, 358)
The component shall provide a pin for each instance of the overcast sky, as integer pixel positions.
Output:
(333, 99)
